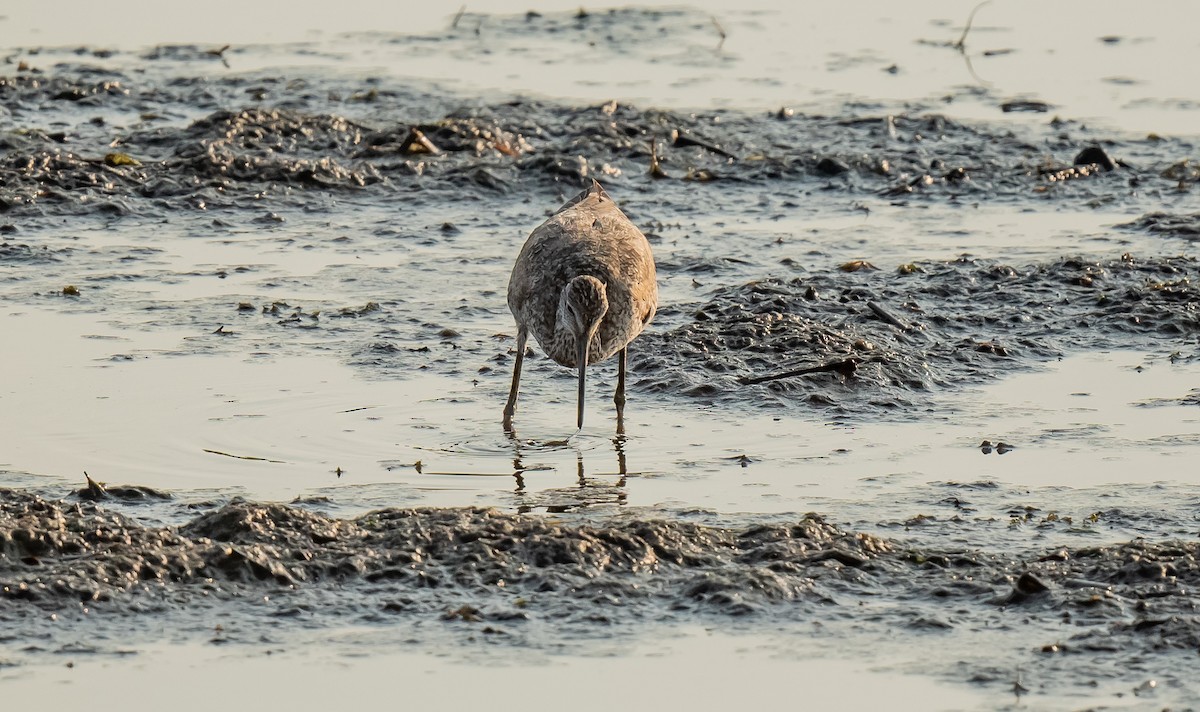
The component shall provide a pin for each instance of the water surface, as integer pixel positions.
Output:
(280, 303)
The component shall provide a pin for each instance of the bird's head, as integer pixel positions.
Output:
(581, 307)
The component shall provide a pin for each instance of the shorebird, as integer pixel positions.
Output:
(584, 286)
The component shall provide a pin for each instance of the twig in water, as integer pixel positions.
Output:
(95, 489)
(244, 457)
(845, 368)
(971, 70)
(656, 169)
(220, 54)
(1017, 688)
(887, 316)
(458, 16)
(681, 139)
(904, 326)
(417, 142)
(960, 45)
(720, 31)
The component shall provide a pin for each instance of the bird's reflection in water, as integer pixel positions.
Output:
(599, 489)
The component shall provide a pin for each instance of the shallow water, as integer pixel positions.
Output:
(651, 672)
(282, 304)
(281, 427)
(1105, 62)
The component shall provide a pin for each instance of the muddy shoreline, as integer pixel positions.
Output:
(254, 169)
(290, 269)
(537, 581)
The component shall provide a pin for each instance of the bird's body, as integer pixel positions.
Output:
(584, 286)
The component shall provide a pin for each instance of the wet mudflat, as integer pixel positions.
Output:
(265, 308)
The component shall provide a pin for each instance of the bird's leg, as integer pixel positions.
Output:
(511, 406)
(619, 397)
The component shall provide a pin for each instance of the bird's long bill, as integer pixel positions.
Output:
(581, 359)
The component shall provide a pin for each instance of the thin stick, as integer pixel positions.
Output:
(417, 142)
(220, 54)
(846, 368)
(95, 489)
(885, 315)
(960, 45)
(680, 139)
(720, 31)
(244, 457)
(973, 73)
(656, 170)
(457, 17)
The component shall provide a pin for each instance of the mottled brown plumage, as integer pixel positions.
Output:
(584, 287)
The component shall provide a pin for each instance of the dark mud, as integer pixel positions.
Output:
(1176, 225)
(922, 327)
(538, 581)
(63, 553)
(273, 141)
